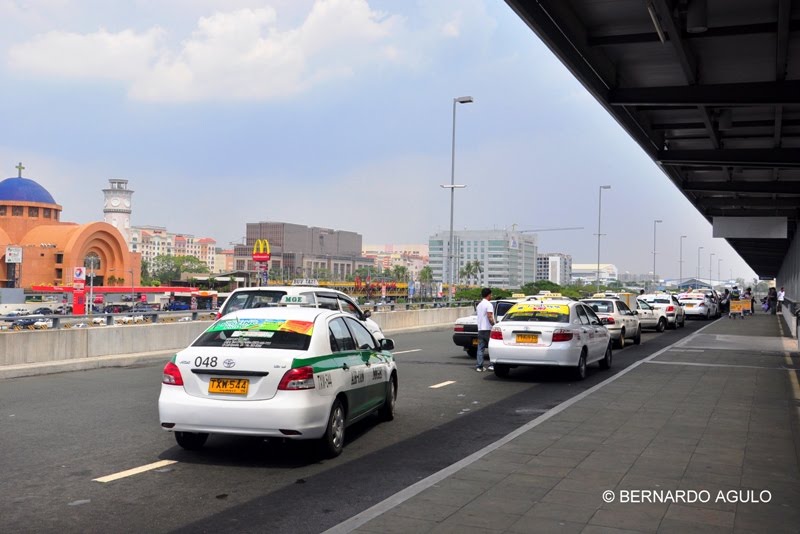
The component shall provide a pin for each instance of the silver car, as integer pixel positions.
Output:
(621, 321)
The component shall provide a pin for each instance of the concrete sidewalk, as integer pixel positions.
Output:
(673, 444)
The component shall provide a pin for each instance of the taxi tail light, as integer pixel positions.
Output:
(172, 375)
(458, 328)
(496, 334)
(670, 309)
(219, 315)
(300, 378)
(562, 335)
(608, 320)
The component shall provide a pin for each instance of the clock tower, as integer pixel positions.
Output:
(117, 207)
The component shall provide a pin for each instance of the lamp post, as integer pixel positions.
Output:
(655, 276)
(680, 263)
(698, 262)
(599, 211)
(92, 261)
(453, 187)
(132, 287)
(710, 262)
(719, 262)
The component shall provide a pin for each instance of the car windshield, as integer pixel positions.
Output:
(659, 300)
(258, 334)
(600, 306)
(503, 307)
(253, 299)
(538, 312)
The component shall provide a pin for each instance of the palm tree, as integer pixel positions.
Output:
(425, 278)
(471, 269)
(400, 272)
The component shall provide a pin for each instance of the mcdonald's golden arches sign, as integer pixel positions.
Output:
(261, 250)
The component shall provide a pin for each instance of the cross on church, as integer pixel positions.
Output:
(20, 168)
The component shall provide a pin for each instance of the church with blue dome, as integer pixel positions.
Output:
(37, 249)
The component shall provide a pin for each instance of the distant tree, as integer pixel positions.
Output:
(169, 268)
(426, 278)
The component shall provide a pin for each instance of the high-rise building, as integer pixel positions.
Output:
(555, 267)
(507, 259)
(153, 241)
(300, 251)
(411, 256)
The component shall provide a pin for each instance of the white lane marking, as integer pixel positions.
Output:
(402, 496)
(134, 471)
(696, 364)
(405, 351)
(442, 384)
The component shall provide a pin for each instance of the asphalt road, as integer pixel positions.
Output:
(60, 432)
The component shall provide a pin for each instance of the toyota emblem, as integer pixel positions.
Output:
(229, 363)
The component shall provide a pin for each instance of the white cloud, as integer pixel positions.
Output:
(241, 54)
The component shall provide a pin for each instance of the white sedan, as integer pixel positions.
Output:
(285, 372)
(698, 305)
(550, 333)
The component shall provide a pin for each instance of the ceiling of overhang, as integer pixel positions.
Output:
(718, 110)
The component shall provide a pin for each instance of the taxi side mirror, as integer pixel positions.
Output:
(387, 344)
(366, 313)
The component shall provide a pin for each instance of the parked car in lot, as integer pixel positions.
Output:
(28, 321)
(621, 321)
(551, 333)
(177, 305)
(321, 297)
(700, 305)
(298, 373)
(44, 310)
(465, 329)
(676, 316)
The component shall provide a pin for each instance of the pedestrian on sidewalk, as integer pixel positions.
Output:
(772, 299)
(781, 296)
(750, 305)
(485, 313)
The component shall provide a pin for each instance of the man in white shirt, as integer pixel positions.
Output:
(781, 296)
(485, 313)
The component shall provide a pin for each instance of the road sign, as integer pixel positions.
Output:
(13, 254)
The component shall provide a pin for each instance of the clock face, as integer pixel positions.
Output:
(115, 201)
(127, 203)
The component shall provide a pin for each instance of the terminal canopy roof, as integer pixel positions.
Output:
(710, 89)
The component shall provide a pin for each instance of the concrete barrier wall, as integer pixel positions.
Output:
(39, 346)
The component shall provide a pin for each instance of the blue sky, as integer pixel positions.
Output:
(333, 113)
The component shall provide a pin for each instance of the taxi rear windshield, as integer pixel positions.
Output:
(253, 299)
(539, 316)
(659, 300)
(257, 334)
(600, 306)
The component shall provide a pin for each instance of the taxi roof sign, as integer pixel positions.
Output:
(295, 300)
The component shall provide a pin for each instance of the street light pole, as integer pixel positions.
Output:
(710, 263)
(453, 187)
(680, 263)
(599, 211)
(655, 276)
(92, 267)
(698, 262)
(132, 287)
(719, 262)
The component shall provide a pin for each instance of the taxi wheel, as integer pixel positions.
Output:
(662, 325)
(683, 322)
(580, 370)
(621, 341)
(605, 363)
(333, 440)
(387, 410)
(501, 371)
(190, 440)
(638, 339)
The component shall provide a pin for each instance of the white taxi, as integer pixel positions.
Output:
(701, 305)
(550, 333)
(286, 372)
